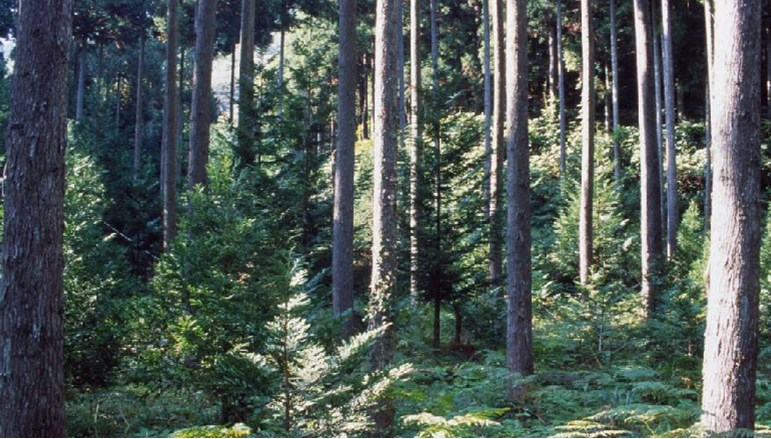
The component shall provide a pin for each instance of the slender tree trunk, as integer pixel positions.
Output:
(170, 122)
(669, 103)
(659, 107)
(281, 73)
(232, 102)
(402, 85)
(768, 72)
(31, 287)
(709, 28)
(416, 145)
(365, 99)
(81, 83)
(519, 336)
(498, 144)
(650, 194)
(614, 68)
(606, 97)
(384, 236)
(139, 114)
(731, 335)
(561, 75)
(438, 293)
(488, 105)
(202, 106)
(246, 122)
(587, 149)
(342, 248)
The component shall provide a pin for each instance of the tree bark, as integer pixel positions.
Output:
(342, 248)
(731, 335)
(415, 146)
(498, 144)
(519, 336)
(650, 190)
(488, 105)
(669, 103)
(384, 236)
(138, 115)
(561, 79)
(169, 139)
(31, 290)
(246, 127)
(659, 108)
(81, 83)
(587, 150)
(202, 106)
(614, 68)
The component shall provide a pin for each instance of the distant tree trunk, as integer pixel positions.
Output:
(384, 236)
(709, 28)
(402, 86)
(731, 335)
(519, 336)
(246, 128)
(170, 122)
(606, 97)
(561, 79)
(202, 106)
(659, 107)
(232, 101)
(552, 76)
(180, 114)
(364, 91)
(650, 194)
(587, 150)
(31, 287)
(498, 144)
(669, 103)
(416, 145)
(488, 105)
(437, 170)
(614, 68)
(139, 115)
(342, 248)
(81, 83)
(281, 73)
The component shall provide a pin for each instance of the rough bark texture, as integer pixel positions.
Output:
(585, 230)
(498, 145)
(669, 104)
(614, 86)
(139, 114)
(246, 85)
(384, 236)
(31, 303)
(561, 80)
(169, 140)
(82, 53)
(731, 336)
(519, 336)
(202, 106)
(342, 248)
(708, 31)
(650, 184)
(415, 143)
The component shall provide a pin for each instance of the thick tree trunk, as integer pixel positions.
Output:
(170, 122)
(415, 146)
(498, 144)
(708, 31)
(650, 185)
(669, 103)
(202, 106)
(81, 83)
(139, 114)
(587, 149)
(384, 236)
(31, 290)
(731, 335)
(614, 68)
(519, 336)
(246, 129)
(561, 79)
(342, 247)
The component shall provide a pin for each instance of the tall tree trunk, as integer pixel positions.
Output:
(587, 149)
(402, 85)
(384, 236)
(437, 170)
(650, 193)
(659, 107)
(606, 97)
(731, 335)
(519, 335)
(170, 123)
(31, 287)
(561, 79)
(552, 74)
(246, 123)
(202, 97)
(669, 103)
(81, 82)
(614, 68)
(342, 248)
(416, 145)
(232, 100)
(710, 49)
(364, 91)
(488, 105)
(498, 144)
(139, 114)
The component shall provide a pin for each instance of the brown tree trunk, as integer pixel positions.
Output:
(139, 115)
(384, 236)
(498, 145)
(731, 335)
(169, 140)
(519, 336)
(650, 193)
(246, 128)
(31, 290)
(561, 80)
(342, 232)
(587, 150)
(669, 104)
(202, 106)
(416, 145)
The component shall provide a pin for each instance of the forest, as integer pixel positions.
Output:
(385, 218)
